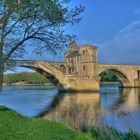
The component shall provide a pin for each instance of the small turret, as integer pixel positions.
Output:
(73, 46)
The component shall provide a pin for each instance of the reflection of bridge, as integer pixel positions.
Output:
(81, 70)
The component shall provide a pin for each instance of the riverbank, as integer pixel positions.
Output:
(14, 126)
(49, 84)
(26, 84)
(109, 83)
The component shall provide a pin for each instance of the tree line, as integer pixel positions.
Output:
(108, 76)
(29, 78)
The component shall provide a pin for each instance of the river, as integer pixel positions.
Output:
(113, 107)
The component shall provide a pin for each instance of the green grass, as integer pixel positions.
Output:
(14, 126)
(110, 134)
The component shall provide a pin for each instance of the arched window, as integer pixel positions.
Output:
(63, 68)
(83, 51)
(84, 67)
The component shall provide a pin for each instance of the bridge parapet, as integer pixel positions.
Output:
(58, 65)
(24, 62)
(54, 64)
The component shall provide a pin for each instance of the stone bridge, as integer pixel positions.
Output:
(81, 71)
(53, 71)
(128, 74)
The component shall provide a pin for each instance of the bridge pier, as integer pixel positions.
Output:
(76, 85)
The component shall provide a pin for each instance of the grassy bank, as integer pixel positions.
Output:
(14, 126)
(30, 78)
(109, 134)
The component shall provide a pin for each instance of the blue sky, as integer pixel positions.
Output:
(113, 26)
(102, 19)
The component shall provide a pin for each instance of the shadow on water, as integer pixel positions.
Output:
(55, 102)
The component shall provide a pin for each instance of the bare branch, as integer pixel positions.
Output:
(15, 48)
(9, 31)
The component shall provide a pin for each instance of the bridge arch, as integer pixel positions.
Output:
(51, 70)
(125, 82)
(51, 77)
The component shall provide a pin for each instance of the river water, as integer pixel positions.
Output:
(113, 107)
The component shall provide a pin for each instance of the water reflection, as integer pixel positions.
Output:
(114, 107)
(124, 111)
(118, 108)
(76, 109)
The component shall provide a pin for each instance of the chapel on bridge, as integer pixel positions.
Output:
(81, 60)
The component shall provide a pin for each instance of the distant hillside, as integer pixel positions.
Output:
(26, 77)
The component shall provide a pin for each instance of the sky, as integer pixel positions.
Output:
(111, 25)
(114, 27)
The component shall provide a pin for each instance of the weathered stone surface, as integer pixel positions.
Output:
(81, 71)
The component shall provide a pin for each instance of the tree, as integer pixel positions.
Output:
(108, 76)
(36, 23)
